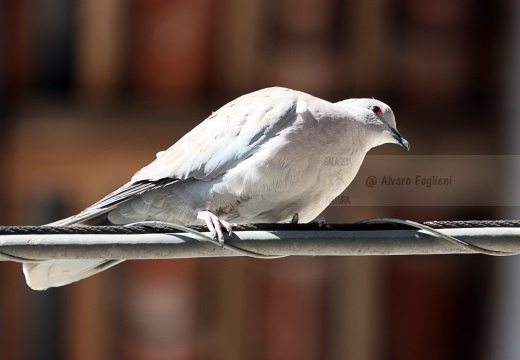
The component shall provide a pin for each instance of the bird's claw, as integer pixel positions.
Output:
(320, 221)
(294, 219)
(215, 225)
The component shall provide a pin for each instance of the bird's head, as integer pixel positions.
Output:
(379, 117)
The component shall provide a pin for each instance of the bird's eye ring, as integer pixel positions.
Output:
(376, 110)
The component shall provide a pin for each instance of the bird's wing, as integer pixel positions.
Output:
(109, 202)
(228, 136)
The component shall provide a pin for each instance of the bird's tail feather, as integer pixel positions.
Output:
(51, 273)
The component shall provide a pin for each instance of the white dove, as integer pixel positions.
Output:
(259, 158)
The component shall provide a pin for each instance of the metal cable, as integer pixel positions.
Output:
(235, 249)
(161, 228)
(156, 227)
(436, 233)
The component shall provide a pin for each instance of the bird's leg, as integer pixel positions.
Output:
(294, 219)
(320, 221)
(215, 225)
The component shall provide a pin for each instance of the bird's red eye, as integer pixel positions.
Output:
(376, 110)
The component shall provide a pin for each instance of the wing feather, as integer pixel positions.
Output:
(224, 139)
(228, 136)
(112, 200)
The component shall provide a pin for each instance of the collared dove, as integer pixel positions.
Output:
(263, 157)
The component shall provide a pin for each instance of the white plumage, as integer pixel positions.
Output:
(259, 158)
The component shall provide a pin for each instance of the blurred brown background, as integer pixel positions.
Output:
(90, 90)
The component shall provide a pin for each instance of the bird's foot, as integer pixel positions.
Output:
(294, 219)
(215, 225)
(320, 221)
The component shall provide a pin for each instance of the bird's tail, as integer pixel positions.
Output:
(51, 273)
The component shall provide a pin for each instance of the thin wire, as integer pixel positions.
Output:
(6, 256)
(436, 233)
(230, 247)
(244, 252)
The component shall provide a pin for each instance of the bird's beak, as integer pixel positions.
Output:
(400, 140)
